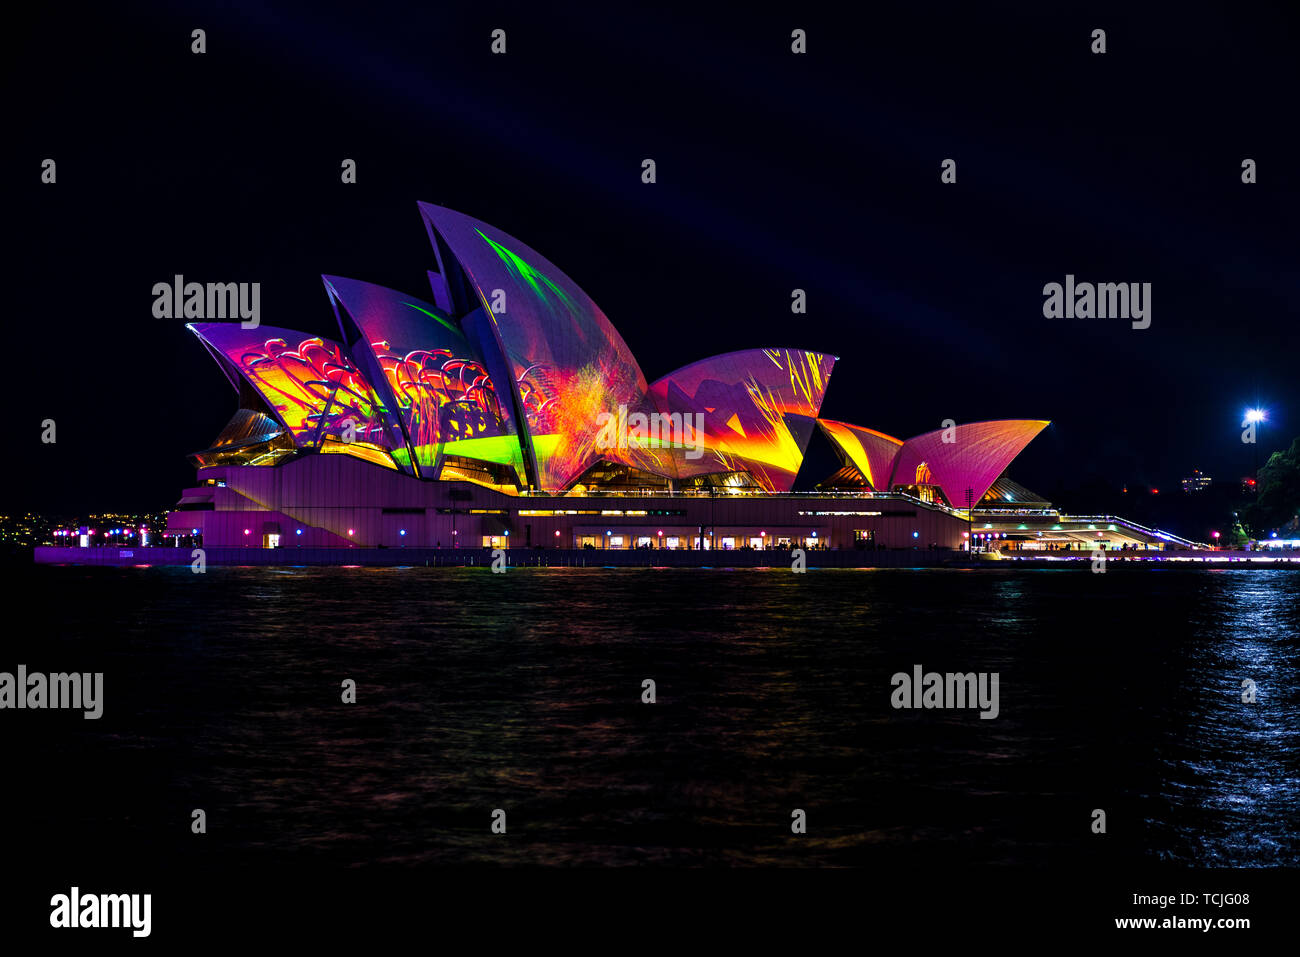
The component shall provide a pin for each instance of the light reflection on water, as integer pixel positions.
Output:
(1232, 766)
(522, 691)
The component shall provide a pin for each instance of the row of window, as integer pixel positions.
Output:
(674, 542)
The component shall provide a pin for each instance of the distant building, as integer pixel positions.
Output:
(1197, 482)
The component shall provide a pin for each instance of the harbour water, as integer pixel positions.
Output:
(524, 692)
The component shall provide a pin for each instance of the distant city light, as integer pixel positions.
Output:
(1256, 415)
(916, 534)
(298, 531)
(401, 531)
(1198, 481)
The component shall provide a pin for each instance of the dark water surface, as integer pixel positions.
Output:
(523, 692)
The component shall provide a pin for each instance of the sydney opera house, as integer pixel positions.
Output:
(507, 411)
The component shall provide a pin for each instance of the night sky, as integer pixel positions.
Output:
(775, 171)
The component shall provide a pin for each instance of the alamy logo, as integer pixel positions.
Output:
(83, 691)
(215, 300)
(657, 430)
(951, 690)
(103, 910)
(1105, 300)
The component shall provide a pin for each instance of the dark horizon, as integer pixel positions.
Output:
(775, 172)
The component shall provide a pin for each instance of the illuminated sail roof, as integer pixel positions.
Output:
(311, 384)
(433, 376)
(969, 456)
(513, 377)
(568, 362)
(870, 452)
(757, 408)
